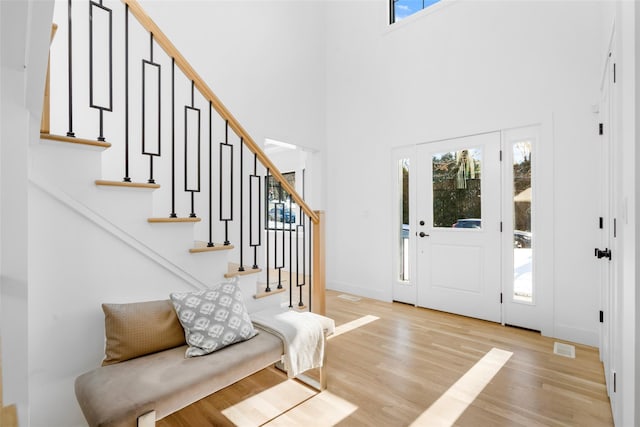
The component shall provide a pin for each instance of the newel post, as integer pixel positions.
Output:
(318, 282)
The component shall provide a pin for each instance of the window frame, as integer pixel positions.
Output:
(434, 7)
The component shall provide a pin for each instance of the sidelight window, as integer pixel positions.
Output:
(403, 182)
(522, 235)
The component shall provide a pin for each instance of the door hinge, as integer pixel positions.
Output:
(501, 226)
(500, 155)
(601, 129)
(614, 72)
(603, 254)
(615, 386)
(500, 297)
(601, 316)
(601, 223)
(615, 228)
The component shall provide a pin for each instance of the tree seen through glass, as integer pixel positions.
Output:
(456, 177)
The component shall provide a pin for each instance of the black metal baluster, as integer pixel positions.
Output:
(310, 227)
(276, 215)
(253, 179)
(226, 218)
(310, 254)
(92, 101)
(266, 213)
(291, 270)
(290, 251)
(279, 218)
(173, 213)
(150, 64)
(241, 268)
(304, 270)
(126, 178)
(210, 243)
(189, 111)
(298, 228)
(70, 69)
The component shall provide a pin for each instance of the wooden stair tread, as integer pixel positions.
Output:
(274, 291)
(73, 140)
(233, 271)
(167, 219)
(202, 247)
(127, 184)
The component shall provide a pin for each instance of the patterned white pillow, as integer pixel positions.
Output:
(213, 318)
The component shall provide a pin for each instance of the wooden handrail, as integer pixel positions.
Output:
(163, 41)
(45, 123)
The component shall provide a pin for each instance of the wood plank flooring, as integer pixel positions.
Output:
(389, 371)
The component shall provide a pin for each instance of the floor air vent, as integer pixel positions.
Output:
(565, 350)
(349, 297)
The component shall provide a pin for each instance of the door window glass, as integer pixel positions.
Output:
(457, 200)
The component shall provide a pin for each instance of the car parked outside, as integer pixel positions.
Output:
(521, 239)
(285, 214)
(468, 223)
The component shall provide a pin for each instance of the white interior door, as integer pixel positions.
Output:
(607, 236)
(458, 226)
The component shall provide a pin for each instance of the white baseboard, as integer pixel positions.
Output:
(360, 290)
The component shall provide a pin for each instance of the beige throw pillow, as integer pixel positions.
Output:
(136, 329)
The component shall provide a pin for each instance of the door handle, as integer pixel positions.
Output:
(423, 234)
(603, 254)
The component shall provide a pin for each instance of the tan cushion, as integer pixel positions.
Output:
(115, 395)
(136, 329)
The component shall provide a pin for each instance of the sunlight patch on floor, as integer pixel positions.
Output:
(447, 409)
(264, 406)
(354, 324)
(324, 409)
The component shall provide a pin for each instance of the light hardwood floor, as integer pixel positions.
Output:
(389, 371)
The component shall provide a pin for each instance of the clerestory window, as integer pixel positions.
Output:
(400, 9)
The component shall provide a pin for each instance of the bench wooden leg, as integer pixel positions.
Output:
(323, 378)
(147, 420)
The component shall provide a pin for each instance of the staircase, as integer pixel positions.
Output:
(194, 189)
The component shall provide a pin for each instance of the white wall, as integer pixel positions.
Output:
(74, 267)
(468, 67)
(22, 61)
(264, 59)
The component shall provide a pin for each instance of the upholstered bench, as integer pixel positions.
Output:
(145, 375)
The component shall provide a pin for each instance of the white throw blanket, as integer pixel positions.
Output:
(302, 334)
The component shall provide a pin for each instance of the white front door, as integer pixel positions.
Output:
(458, 226)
